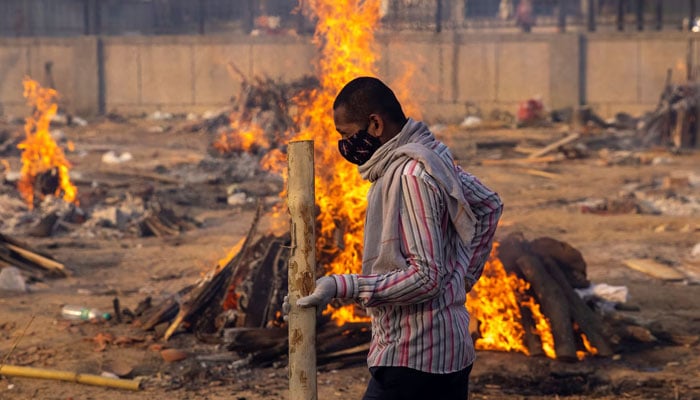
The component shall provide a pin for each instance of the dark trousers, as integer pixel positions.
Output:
(398, 383)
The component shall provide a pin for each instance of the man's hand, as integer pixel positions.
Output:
(324, 292)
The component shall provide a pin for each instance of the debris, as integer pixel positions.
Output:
(655, 269)
(173, 355)
(529, 160)
(111, 157)
(12, 280)
(603, 291)
(471, 122)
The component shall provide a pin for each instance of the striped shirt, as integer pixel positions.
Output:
(419, 318)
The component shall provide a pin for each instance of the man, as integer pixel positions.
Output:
(428, 232)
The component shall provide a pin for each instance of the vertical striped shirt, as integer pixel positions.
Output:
(419, 318)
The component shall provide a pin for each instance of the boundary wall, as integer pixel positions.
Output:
(441, 73)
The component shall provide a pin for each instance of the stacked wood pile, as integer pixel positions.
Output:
(674, 122)
(554, 269)
(270, 104)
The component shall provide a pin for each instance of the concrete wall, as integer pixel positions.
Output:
(73, 70)
(435, 75)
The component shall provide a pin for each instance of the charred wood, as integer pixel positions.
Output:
(550, 297)
(585, 318)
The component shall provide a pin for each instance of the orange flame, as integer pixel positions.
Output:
(40, 153)
(243, 137)
(345, 37)
(494, 302)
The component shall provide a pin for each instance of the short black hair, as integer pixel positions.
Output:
(366, 95)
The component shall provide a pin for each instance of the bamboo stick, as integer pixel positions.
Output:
(36, 258)
(302, 265)
(87, 379)
(553, 146)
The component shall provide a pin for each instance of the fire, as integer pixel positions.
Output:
(495, 303)
(345, 37)
(242, 137)
(40, 153)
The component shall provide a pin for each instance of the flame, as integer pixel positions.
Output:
(495, 303)
(242, 137)
(40, 153)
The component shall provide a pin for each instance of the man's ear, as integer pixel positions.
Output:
(376, 125)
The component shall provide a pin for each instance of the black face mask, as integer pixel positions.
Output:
(358, 148)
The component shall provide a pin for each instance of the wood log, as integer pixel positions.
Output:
(530, 339)
(262, 288)
(302, 270)
(571, 260)
(551, 300)
(24, 257)
(587, 320)
(681, 128)
(553, 146)
(165, 311)
(510, 249)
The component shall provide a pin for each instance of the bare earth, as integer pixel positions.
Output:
(132, 268)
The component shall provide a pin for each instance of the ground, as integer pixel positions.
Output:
(132, 268)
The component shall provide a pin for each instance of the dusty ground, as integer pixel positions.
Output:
(132, 268)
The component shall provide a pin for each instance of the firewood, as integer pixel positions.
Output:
(530, 339)
(259, 310)
(22, 256)
(213, 286)
(571, 261)
(551, 300)
(510, 249)
(587, 320)
(553, 146)
(165, 311)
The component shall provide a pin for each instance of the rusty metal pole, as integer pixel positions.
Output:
(302, 267)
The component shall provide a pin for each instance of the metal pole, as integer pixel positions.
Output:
(202, 16)
(86, 17)
(620, 15)
(639, 11)
(692, 15)
(302, 267)
(97, 12)
(438, 16)
(561, 17)
(591, 16)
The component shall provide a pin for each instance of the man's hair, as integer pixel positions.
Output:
(366, 95)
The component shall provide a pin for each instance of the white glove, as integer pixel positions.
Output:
(324, 292)
(286, 307)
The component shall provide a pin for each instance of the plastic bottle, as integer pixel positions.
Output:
(80, 313)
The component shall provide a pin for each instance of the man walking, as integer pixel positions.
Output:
(428, 232)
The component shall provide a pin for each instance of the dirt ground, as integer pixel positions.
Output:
(132, 268)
